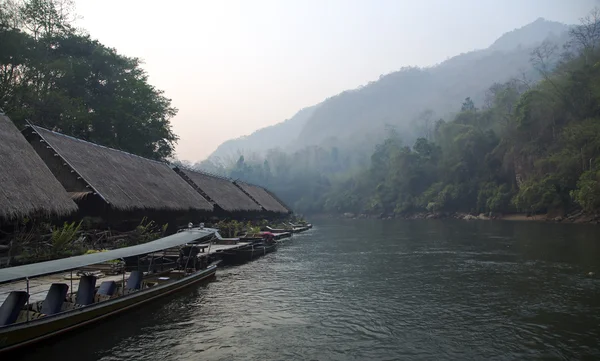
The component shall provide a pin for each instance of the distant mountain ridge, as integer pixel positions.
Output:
(400, 97)
(275, 136)
(529, 34)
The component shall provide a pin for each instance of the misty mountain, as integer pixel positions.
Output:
(410, 99)
(400, 98)
(276, 136)
(529, 34)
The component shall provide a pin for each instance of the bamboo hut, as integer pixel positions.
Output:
(104, 180)
(27, 187)
(263, 197)
(221, 191)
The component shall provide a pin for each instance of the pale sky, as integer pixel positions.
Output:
(232, 67)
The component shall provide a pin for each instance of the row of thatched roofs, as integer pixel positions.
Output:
(44, 172)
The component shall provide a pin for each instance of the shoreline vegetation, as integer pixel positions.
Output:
(575, 217)
(530, 145)
(32, 241)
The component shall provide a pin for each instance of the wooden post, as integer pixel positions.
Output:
(28, 295)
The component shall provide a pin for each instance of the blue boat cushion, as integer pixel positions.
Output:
(12, 305)
(85, 292)
(134, 282)
(55, 298)
(107, 288)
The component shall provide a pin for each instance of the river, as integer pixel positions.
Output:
(377, 290)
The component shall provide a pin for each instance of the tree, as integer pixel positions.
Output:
(585, 37)
(468, 105)
(56, 77)
(425, 123)
(587, 194)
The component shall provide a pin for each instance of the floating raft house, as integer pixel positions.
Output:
(27, 186)
(222, 192)
(117, 180)
(263, 197)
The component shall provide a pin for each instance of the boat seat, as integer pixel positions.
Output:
(12, 305)
(107, 288)
(85, 291)
(55, 298)
(134, 281)
(32, 316)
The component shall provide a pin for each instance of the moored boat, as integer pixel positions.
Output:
(23, 322)
(267, 244)
(299, 228)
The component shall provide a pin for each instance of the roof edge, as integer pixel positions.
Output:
(33, 127)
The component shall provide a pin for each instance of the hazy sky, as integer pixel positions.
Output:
(232, 67)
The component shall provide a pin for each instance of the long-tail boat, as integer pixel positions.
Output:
(250, 252)
(23, 321)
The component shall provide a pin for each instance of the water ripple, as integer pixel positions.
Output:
(378, 290)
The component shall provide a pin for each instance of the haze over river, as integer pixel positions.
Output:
(377, 290)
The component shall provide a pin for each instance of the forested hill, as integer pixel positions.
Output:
(401, 98)
(533, 148)
(518, 143)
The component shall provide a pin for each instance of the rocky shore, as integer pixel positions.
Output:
(576, 217)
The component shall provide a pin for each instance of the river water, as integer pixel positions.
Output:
(377, 290)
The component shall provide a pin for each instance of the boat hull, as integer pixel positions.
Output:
(247, 254)
(19, 335)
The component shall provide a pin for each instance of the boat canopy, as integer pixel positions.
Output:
(70, 263)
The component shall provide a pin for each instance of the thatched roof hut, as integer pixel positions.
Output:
(262, 197)
(27, 187)
(123, 181)
(221, 191)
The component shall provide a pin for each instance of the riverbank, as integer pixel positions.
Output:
(576, 217)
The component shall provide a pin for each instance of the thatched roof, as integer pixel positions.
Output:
(125, 181)
(263, 197)
(27, 186)
(220, 190)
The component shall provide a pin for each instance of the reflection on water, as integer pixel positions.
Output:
(384, 290)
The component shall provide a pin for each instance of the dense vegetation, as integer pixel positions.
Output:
(528, 147)
(54, 75)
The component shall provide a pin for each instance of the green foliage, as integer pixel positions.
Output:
(494, 198)
(62, 79)
(229, 229)
(254, 231)
(587, 194)
(92, 251)
(63, 240)
(536, 195)
(147, 231)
